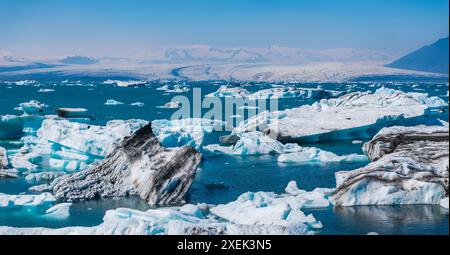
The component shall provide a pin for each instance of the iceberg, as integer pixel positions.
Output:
(67, 146)
(45, 90)
(180, 132)
(112, 102)
(31, 107)
(357, 115)
(260, 213)
(256, 143)
(4, 162)
(177, 88)
(444, 203)
(267, 208)
(26, 200)
(120, 83)
(59, 211)
(171, 105)
(138, 104)
(273, 93)
(139, 165)
(74, 113)
(409, 166)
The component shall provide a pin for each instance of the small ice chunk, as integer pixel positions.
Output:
(59, 211)
(113, 102)
(138, 104)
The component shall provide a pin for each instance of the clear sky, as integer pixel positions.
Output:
(111, 27)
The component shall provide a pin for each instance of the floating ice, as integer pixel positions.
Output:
(4, 162)
(357, 115)
(252, 213)
(272, 93)
(123, 83)
(409, 166)
(256, 143)
(31, 107)
(43, 199)
(177, 88)
(171, 105)
(45, 90)
(112, 102)
(73, 113)
(444, 203)
(312, 155)
(59, 211)
(68, 146)
(266, 208)
(138, 104)
(175, 133)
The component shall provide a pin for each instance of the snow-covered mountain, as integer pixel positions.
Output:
(273, 54)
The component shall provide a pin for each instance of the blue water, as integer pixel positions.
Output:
(220, 179)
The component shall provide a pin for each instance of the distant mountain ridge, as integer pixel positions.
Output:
(431, 58)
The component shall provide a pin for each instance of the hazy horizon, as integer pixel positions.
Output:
(117, 28)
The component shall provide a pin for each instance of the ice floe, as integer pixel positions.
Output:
(4, 162)
(138, 104)
(63, 145)
(357, 115)
(46, 90)
(74, 113)
(120, 83)
(139, 165)
(175, 133)
(59, 211)
(26, 200)
(252, 213)
(409, 166)
(272, 93)
(444, 203)
(31, 107)
(256, 143)
(112, 102)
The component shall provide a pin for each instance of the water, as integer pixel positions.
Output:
(220, 179)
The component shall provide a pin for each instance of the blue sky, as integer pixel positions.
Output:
(112, 27)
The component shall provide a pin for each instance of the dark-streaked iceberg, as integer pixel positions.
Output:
(138, 166)
(409, 166)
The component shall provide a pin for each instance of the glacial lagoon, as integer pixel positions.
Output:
(220, 178)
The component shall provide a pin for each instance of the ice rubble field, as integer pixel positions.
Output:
(52, 146)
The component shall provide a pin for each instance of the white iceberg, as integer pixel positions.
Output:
(59, 211)
(176, 133)
(171, 105)
(31, 107)
(444, 203)
(113, 102)
(45, 90)
(4, 162)
(138, 104)
(28, 200)
(252, 213)
(273, 93)
(267, 208)
(256, 143)
(357, 115)
(177, 88)
(68, 146)
(120, 83)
